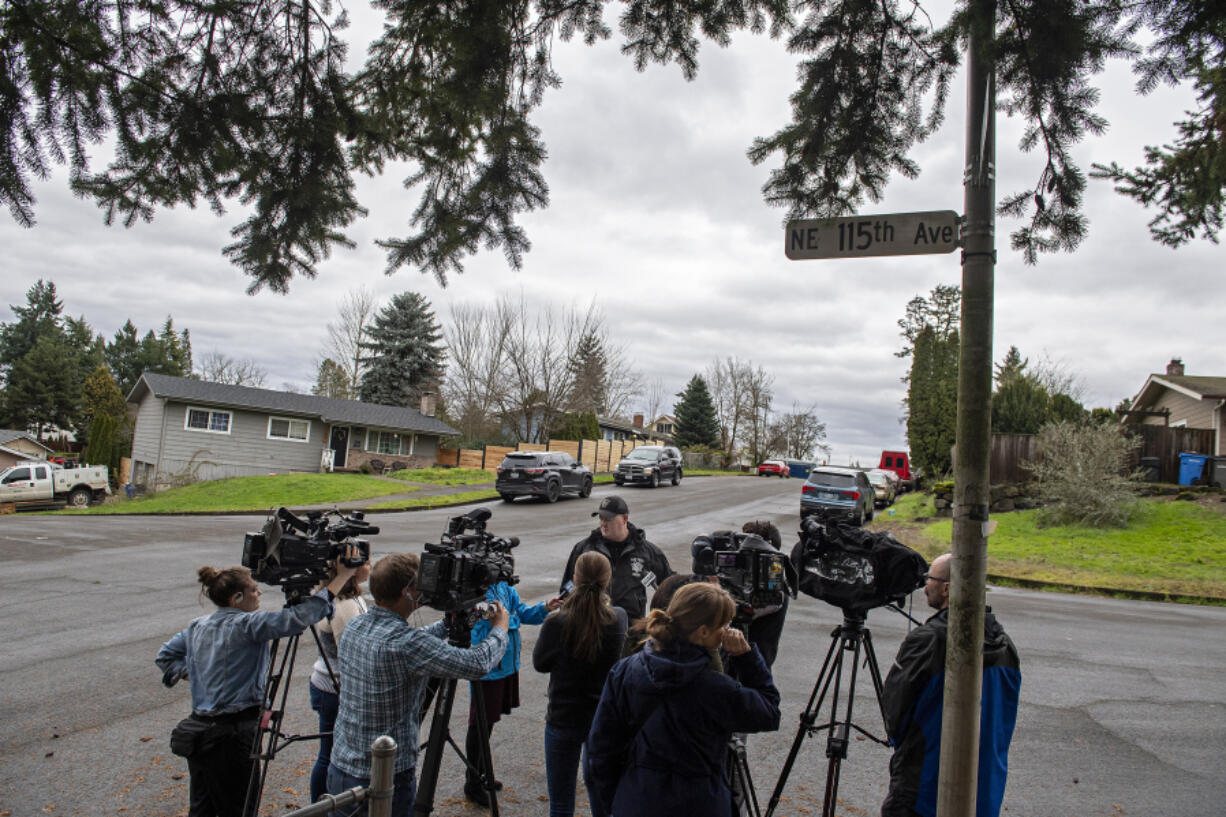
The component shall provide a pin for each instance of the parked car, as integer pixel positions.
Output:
(839, 494)
(883, 486)
(649, 465)
(547, 474)
(46, 482)
(773, 468)
(900, 464)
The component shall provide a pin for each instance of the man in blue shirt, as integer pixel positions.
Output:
(912, 700)
(384, 666)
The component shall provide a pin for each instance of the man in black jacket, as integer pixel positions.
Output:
(638, 565)
(912, 698)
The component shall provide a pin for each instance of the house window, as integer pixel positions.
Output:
(199, 419)
(283, 428)
(385, 442)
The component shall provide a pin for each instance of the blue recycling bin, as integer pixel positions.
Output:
(800, 469)
(1191, 466)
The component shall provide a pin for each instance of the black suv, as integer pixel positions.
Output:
(649, 465)
(547, 474)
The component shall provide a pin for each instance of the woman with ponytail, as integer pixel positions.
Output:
(660, 736)
(224, 656)
(577, 646)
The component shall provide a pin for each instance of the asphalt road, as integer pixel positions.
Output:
(1123, 703)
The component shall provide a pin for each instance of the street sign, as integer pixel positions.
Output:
(934, 231)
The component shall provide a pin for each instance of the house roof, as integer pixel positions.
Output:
(326, 409)
(621, 425)
(1196, 387)
(8, 435)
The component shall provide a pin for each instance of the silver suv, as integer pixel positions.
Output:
(840, 494)
(649, 465)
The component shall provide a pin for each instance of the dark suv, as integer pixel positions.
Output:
(649, 465)
(547, 474)
(842, 494)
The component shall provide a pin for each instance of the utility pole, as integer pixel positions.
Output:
(957, 784)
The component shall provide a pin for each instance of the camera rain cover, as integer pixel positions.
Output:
(856, 569)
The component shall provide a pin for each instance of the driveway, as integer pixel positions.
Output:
(1123, 703)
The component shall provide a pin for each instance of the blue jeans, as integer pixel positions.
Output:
(563, 746)
(326, 704)
(404, 782)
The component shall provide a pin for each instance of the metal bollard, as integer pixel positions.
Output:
(382, 761)
(378, 793)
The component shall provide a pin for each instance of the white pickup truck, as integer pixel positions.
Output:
(43, 482)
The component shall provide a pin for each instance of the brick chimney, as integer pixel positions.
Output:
(638, 421)
(1175, 367)
(428, 403)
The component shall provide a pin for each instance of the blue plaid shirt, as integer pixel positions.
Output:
(384, 665)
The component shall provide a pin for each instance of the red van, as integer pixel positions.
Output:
(899, 463)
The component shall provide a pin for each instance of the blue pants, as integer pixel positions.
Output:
(563, 747)
(326, 704)
(402, 799)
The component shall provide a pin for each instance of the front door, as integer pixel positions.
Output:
(339, 445)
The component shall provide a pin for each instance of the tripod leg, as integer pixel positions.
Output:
(484, 761)
(809, 716)
(840, 731)
(874, 671)
(433, 756)
(269, 725)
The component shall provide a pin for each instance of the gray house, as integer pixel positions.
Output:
(188, 430)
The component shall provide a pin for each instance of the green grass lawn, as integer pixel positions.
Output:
(256, 493)
(1176, 548)
(445, 476)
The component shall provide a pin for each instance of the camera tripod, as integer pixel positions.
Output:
(268, 736)
(459, 631)
(850, 636)
(736, 764)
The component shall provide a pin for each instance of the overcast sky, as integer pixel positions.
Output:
(657, 215)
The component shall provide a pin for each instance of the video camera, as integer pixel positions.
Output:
(466, 562)
(296, 553)
(855, 569)
(754, 573)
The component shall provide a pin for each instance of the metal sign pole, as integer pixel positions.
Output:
(957, 784)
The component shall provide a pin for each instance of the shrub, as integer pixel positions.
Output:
(1083, 475)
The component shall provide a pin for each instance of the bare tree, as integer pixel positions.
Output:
(1057, 377)
(799, 434)
(216, 367)
(537, 376)
(728, 381)
(346, 334)
(475, 385)
(757, 395)
(654, 398)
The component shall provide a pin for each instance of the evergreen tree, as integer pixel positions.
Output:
(1064, 409)
(579, 425)
(450, 89)
(588, 371)
(1020, 406)
(331, 380)
(124, 357)
(128, 356)
(41, 316)
(1012, 366)
(932, 401)
(406, 353)
(43, 388)
(695, 413)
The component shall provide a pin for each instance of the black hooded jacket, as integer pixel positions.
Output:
(638, 567)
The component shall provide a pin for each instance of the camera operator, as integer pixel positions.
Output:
(766, 627)
(638, 565)
(912, 700)
(225, 656)
(385, 664)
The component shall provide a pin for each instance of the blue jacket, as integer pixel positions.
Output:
(912, 698)
(660, 736)
(520, 613)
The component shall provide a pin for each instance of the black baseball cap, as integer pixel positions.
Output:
(611, 506)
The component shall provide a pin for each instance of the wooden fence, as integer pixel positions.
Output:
(1011, 452)
(601, 456)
